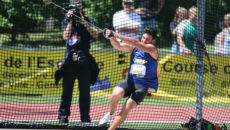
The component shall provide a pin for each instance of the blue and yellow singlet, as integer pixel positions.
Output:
(144, 70)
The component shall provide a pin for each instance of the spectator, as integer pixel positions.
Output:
(180, 15)
(223, 39)
(147, 10)
(77, 63)
(218, 47)
(187, 32)
(127, 22)
(217, 40)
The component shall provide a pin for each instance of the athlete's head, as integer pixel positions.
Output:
(149, 35)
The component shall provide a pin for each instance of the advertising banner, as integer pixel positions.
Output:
(32, 72)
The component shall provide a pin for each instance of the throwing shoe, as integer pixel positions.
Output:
(106, 118)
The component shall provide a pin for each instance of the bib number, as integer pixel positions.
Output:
(138, 70)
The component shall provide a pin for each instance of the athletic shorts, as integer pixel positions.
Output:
(134, 91)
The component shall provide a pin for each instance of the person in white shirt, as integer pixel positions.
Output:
(180, 16)
(127, 22)
(222, 40)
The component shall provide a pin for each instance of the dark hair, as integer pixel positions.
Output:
(151, 31)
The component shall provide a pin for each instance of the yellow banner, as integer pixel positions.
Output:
(32, 72)
(179, 76)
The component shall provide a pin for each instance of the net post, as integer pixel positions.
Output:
(199, 55)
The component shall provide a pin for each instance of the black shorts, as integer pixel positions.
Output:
(134, 91)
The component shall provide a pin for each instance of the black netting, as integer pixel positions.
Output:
(33, 46)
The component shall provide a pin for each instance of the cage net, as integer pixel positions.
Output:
(34, 44)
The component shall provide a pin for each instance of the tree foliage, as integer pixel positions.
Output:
(102, 11)
(21, 16)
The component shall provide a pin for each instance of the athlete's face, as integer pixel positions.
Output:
(146, 39)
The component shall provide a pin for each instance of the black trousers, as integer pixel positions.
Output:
(83, 74)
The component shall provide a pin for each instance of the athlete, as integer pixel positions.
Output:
(142, 76)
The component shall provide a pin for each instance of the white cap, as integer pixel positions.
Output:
(131, 1)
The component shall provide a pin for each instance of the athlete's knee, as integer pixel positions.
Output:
(115, 96)
(117, 93)
(127, 108)
(130, 104)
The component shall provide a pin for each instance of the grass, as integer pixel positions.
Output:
(151, 126)
(100, 100)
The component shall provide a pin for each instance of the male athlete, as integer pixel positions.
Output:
(142, 76)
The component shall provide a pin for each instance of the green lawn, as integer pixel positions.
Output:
(101, 100)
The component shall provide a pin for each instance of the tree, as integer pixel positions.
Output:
(21, 16)
(102, 11)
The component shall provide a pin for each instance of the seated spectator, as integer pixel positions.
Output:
(127, 22)
(217, 44)
(180, 15)
(187, 32)
(222, 45)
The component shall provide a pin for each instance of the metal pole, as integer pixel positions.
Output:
(199, 55)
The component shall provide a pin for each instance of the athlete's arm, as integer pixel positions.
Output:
(148, 48)
(123, 47)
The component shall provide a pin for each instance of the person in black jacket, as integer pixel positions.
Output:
(78, 62)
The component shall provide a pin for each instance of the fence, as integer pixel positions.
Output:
(190, 85)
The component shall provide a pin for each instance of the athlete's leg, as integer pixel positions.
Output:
(129, 105)
(135, 98)
(117, 94)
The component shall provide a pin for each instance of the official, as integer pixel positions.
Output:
(77, 63)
